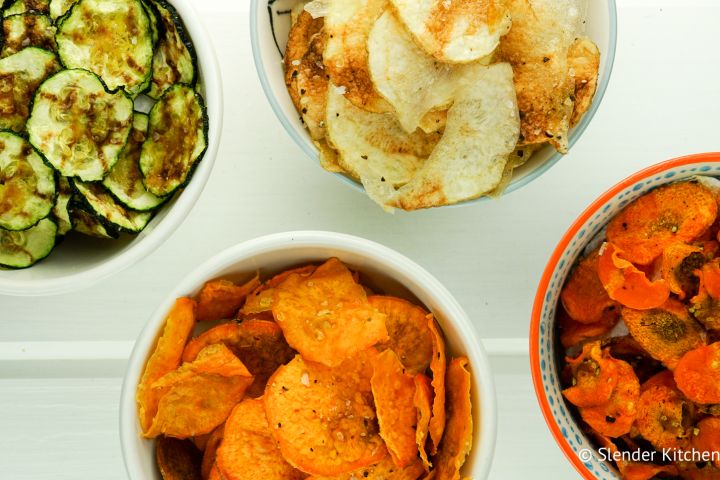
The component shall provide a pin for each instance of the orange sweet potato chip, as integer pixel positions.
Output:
(215, 474)
(423, 406)
(679, 262)
(406, 325)
(457, 440)
(323, 418)
(248, 451)
(260, 300)
(220, 299)
(385, 470)
(326, 316)
(209, 455)
(666, 332)
(706, 436)
(594, 377)
(304, 271)
(698, 374)
(177, 459)
(663, 418)
(678, 212)
(438, 365)
(584, 296)
(393, 391)
(615, 417)
(165, 358)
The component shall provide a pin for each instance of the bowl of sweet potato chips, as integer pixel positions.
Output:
(625, 332)
(434, 103)
(308, 355)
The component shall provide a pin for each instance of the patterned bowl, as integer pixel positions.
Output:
(543, 360)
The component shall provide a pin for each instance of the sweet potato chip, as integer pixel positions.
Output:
(216, 359)
(248, 450)
(615, 417)
(323, 418)
(423, 405)
(407, 327)
(165, 358)
(438, 366)
(209, 455)
(706, 436)
(664, 418)
(595, 377)
(215, 474)
(627, 284)
(678, 265)
(385, 470)
(326, 316)
(666, 333)
(679, 212)
(457, 440)
(698, 374)
(177, 459)
(393, 391)
(304, 271)
(220, 299)
(583, 295)
(226, 333)
(260, 300)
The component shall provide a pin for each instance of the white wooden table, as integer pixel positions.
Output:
(62, 358)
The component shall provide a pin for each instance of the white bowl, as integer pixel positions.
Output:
(386, 269)
(269, 27)
(79, 262)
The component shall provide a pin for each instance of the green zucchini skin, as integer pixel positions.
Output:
(112, 38)
(60, 105)
(94, 198)
(61, 209)
(88, 224)
(27, 30)
(59, 8)
(14, 7)
(24, 249)
(157, 162)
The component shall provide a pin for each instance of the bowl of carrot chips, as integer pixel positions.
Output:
(625, 332)
(308, 355)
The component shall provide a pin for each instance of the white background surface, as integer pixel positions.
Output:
(62, 358)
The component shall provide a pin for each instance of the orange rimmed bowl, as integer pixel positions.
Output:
(576, 446)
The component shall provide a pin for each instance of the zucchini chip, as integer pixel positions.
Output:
(58, 8)
(27, 185)
(20, 76)
(125, 179)
(78, 125)
(61, 210)
(177, 139)
(103, 205)
(23, 6)
(87, 224)
(27, 30)
(175, 60)
(112, 38)
(26, 248)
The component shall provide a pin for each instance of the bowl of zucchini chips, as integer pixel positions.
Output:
(110, 117)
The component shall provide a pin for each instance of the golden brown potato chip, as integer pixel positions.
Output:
(220, 299)
(165, 358)
(393, 391)
(385, 470)
(248, 451)
(423, 406)
(457, 441)
(323, 418)
(406, 325)
(584, 60)
(209, 455)
(438, 365)
(326, 316)
(177, 459)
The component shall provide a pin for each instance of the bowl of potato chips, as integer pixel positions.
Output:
(625, 332)
(428, 104)
(308, 355)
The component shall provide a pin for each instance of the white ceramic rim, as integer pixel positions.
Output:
(185, 201)
(314, 239)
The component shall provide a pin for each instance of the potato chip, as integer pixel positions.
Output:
(177, 459)
(210, 454)
(460, 31)
(248, 451)
(664, 418)
(438, 366)
(457, 441)
(584, 62)
(220, 299)
(385, 470)
(347, 26)
(393, 391)
(422, 399)
(323, 418)
(583, 295)
(469, 161)
(165, 358)
(326, 316)
(595, 377)
(407, 327)
(698, 374)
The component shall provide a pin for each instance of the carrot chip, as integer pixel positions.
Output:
(595, 376)
(698, 374)
(584, 296)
